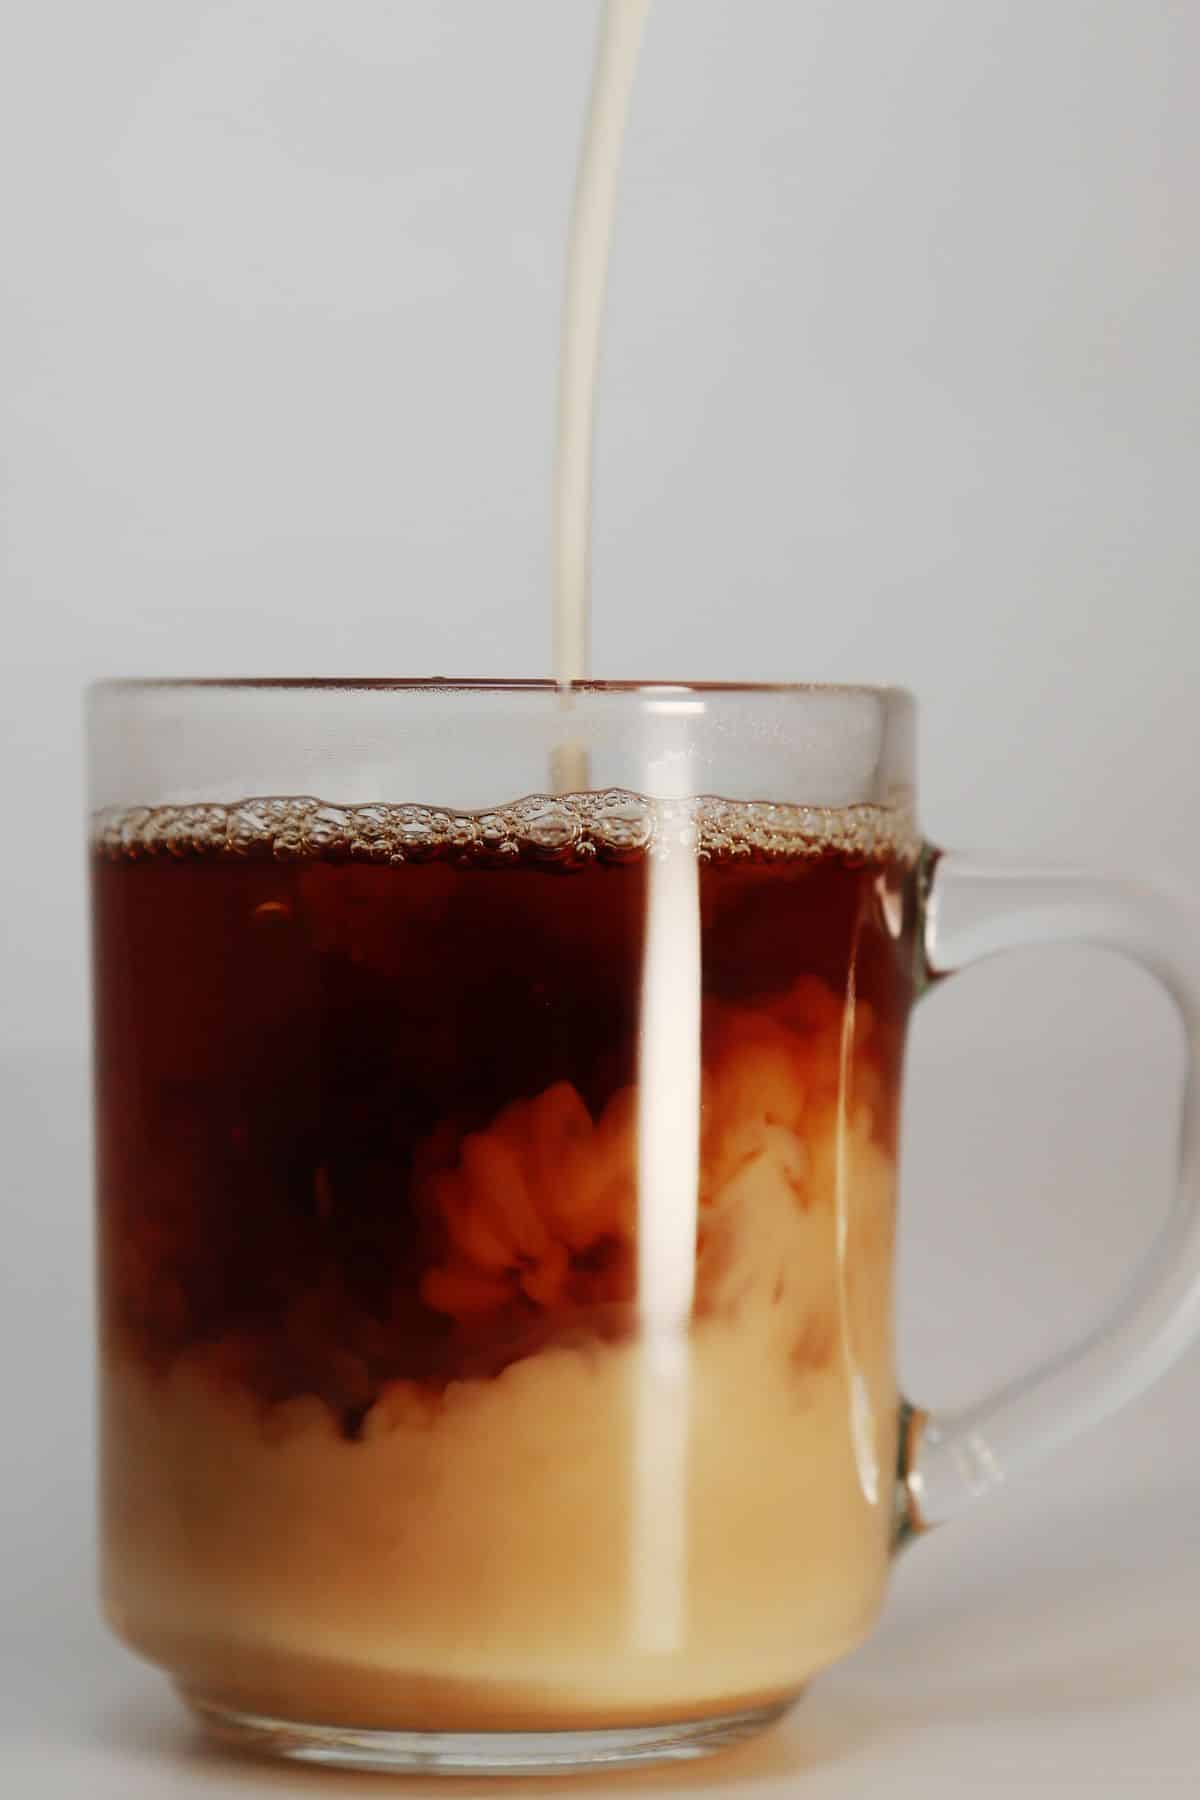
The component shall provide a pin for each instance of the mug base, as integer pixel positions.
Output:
(479, 1752)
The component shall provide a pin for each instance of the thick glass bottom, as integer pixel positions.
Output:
(479, 1752)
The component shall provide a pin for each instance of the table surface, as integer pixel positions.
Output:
(1048, 1644)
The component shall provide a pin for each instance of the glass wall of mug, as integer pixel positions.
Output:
(497, 1100)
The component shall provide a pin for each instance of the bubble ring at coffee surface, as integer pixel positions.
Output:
(610, 825)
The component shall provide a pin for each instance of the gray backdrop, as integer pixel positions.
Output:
(901, 382)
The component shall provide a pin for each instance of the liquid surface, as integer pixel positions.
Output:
(394, 1433)
(612, 825)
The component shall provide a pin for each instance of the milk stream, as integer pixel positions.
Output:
(621, 28)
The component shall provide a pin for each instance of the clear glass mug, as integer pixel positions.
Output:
(497, 1125)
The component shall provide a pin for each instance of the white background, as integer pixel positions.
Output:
(901, 382)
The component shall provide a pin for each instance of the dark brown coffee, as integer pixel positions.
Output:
(292, 1049)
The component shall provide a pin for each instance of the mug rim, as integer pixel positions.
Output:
(453, 684)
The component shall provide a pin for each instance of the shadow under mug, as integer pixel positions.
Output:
(497, 1094)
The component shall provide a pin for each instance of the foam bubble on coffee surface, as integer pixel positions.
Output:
(612, 824)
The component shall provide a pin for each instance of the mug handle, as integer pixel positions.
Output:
(972, 907)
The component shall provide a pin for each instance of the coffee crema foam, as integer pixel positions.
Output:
(612, 824)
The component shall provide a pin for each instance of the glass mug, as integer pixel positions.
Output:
(497, 1125)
